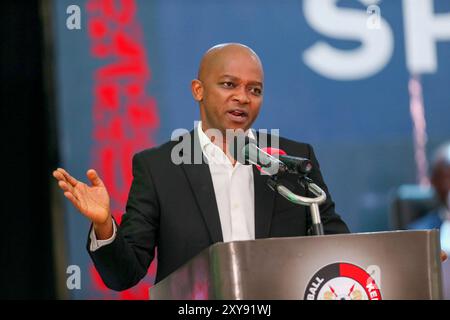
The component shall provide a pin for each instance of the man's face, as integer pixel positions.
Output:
(230, 91)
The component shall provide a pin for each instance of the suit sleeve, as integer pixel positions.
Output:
(332, 222)
(124, 262)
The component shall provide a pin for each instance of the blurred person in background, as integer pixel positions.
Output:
(439, 218)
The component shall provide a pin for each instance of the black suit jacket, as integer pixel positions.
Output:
(173, 208)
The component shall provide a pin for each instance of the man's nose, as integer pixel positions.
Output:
(241, 95)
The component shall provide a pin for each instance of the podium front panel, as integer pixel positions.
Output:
(370, 266)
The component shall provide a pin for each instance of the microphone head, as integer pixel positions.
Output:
(294, 165)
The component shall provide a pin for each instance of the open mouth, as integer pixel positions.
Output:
(238, 115)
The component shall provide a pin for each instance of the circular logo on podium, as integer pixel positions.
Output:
(342, 281)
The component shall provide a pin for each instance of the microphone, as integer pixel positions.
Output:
(296, 165)
(248, 152)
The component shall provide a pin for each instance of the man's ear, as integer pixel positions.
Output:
(197, 89)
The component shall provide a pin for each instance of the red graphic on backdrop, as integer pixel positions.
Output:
(125, 117)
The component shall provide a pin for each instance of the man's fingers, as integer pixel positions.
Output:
(68, 188)
(72, 199)
(68, 177)
(65, 186)
(94, 178)
(59, 176)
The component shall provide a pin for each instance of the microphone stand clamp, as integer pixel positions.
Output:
(312, 203)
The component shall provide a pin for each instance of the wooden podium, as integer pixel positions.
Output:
(364, 266)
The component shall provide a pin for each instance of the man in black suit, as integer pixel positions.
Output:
(182, 208)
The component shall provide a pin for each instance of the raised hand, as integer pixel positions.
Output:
(92, 201)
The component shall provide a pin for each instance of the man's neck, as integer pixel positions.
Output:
(220, 140)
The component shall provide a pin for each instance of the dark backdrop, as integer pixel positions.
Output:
(28, 155)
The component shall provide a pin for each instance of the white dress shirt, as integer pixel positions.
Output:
(96, 244)
(234, 191)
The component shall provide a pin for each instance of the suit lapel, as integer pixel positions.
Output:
(264, 202)
(200, 179)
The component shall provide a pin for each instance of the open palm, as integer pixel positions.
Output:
(92, 201)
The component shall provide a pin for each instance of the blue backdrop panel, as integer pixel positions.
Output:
(358, 121)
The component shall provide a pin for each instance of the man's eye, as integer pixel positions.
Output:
(256, 91)
(228, 84)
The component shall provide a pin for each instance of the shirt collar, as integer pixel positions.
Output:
(210, 149)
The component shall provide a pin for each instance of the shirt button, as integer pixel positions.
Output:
(235, 206)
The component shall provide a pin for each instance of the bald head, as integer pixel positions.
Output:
(229, 87)
(442, 155)
(218, 55)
